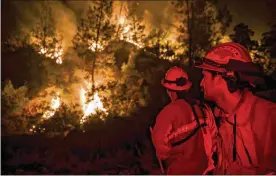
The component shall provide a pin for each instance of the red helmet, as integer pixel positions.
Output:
(220, 56)
(176, 79)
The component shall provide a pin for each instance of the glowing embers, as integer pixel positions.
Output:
(92, 106)
(34, 129)
(55, 104)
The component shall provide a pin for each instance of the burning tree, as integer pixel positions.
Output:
(158, 44)
(101, 87)
(94, 33)
(43, 37)
(130, 27)
(92, 41)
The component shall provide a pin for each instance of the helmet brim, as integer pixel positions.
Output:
(205, 66)
(177, 88)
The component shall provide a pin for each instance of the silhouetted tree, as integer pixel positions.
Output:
(242, 35)
(43, 36)
(268, 46)
(201, 25)
(269, 41)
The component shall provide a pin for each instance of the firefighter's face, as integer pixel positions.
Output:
(210, 85)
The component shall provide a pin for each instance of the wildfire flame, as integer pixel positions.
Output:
(55, 103)
(43, 51)
(127, 34)
(92, 106)
(93, 46)
(55, 53)
(121, 20)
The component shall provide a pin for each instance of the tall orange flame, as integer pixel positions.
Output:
(55, 103)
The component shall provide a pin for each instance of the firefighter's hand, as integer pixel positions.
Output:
(163, 151)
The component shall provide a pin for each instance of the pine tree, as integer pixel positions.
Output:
(221, 20)
(43, 37)
(242, 35)
(201, 26)
(259, 51)
(268, 46)
(269, 41)
(94, 33)
(130, 27)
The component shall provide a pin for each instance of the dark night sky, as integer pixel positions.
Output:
(254, 13)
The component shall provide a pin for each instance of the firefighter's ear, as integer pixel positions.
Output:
(231, 75)
(232, 79)
(219, 77)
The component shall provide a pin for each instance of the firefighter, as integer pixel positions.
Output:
(247, 123)
(187, 156)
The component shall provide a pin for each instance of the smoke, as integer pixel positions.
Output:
(159, 15)
(119, 9)
(67, 13)
(79, 8)
(66, 23)
(148, 18)
(28, 14)
(170, 22)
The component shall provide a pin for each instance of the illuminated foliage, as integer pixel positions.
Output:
(121, 90)
(13, 101)
(158, 44)
(14, 42)
(44, 38)
(94, 33)
(263, 59)
(95, 30)
(129, 26)
(259, 51)
(269, 46)
(269, 41)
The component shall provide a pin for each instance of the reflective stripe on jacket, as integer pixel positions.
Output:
(187, 158)
(208, 128)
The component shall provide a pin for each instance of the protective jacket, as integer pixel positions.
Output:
(189, 156)
(248, 138)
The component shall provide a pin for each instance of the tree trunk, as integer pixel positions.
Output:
(96, 49)
(120, 26)
(190, 27)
